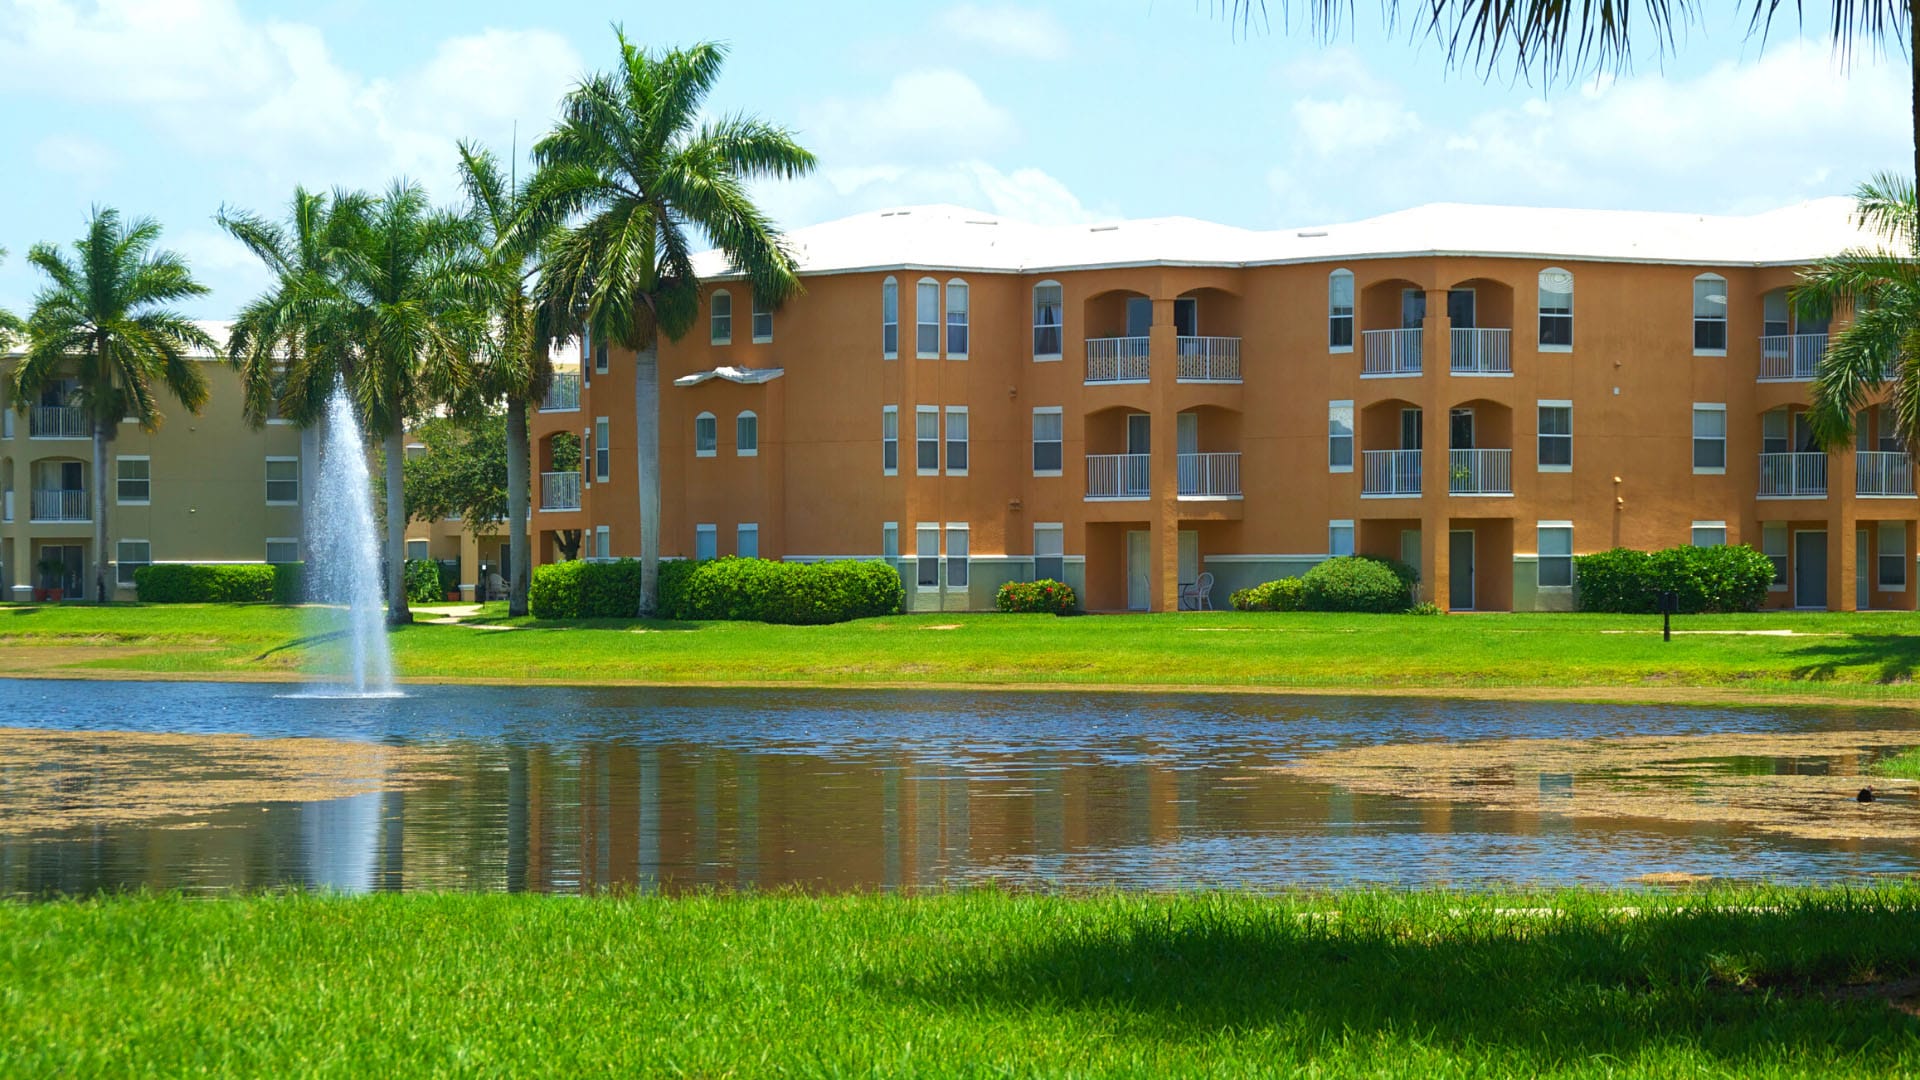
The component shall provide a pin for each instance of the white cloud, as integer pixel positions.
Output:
(1004, 28)
(78, 156)
(938, 113)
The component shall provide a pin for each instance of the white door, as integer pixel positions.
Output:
(1139, 555)
(1410, 548)
(1189, 556)
(1860, 598)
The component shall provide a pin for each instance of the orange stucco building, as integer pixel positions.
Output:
(1143, 407)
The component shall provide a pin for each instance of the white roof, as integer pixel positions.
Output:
(745, 376)
(955, 238)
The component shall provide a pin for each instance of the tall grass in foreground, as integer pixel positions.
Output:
(1748, 983)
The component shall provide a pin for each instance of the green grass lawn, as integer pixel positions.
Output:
(1749, 984)
(1868, 657)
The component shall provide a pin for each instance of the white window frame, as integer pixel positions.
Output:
(1334, 315)
(600, 359)
(740, 534)
(707, 536)
(924, 321)
(1693, 534)
(603, 542)
(957, 290)
(1693, 445)
(1724, 319)
(1769, 530)
(1882, 558)
(1334, 409)
(761, 311)
(602, 449)
(1059, 328)
(890, 540)
(1542, 314)
(1334, 529)
(1541, 555)
(713, 444)
(957, 530)
(926, 535)
(921, 438)
(1058, 531)
(123, 567)
(964, 442)
(889, 440)
(746, 421)
(890, 295)
(295, 462)
(1060, 422)
(426, 549)
(120, 499)
(720, 323)
(267, 552)
(1540, 436)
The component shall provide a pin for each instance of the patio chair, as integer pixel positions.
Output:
(1198, 596)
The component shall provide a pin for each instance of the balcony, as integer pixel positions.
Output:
(1208, 359)
(57, 422)
(59, 504)
(1120, 476)
(1800, 475)
(1389, 474)
(559, 491)
(1391, 352)
(563, 393)
(1880, 474)
(1791, 357)
(1209, 476)
(1117, 360)
(1480, 472)
(1482, 352)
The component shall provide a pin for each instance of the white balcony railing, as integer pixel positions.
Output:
(1117, 359)
(1390, 472)
(1882, 473)
(1209, 476)
(563, 393)
(1391, 352)
(1791, 357)
(559, 491)
(57, 422)
(1209, 359)
(1796, 475)
(1117, 476)
(1480, 472)
(1482, 351)
(59, 505)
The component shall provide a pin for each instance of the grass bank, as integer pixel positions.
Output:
(1753, 984)
(1787, 656)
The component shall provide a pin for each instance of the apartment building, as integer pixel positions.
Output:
(1484, 392)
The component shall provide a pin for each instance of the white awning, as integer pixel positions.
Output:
(746, 376)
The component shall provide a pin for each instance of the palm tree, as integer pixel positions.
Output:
(634, 170)
(105, 320)
(10, 324)
(1881, 346)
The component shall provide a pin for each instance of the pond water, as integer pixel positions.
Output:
(571, 790)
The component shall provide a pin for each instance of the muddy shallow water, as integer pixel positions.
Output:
(212, 787)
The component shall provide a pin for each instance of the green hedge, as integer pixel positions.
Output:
(422, 578)
(289, 582)
(1044, 596)
(1358, 583)
(1705, 579)
(200, 583)
(1284, 594)
(586, 590)
(762, 590)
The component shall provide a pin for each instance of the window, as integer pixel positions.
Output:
(1893, 556)
(1049, 552)
(926, 556)
(1556, 310)
(1339, 436)
(1340, 537)
(602, 450)
(926, 434)
(418, 550)
(705, 541)
(957, 566)
(1047, 328)
(890, 540)
(889, 319)
(1709, 533)
(128, 556)
(1774, 425)
(283, 549)
(746, 434)
(721, 315)
(283, 481)
(706, 435)
(600, 359)
(762, 320)
(1554, 542)
(889, 440)
(746, 541)
(1710, 315)
(956, 320)
(1773, 544)
(134, 477)
(926, 319)
(1556, 436)
(1340, 311)
(956, 440)
(1709, 438)
(602, 542)
(1047, 441)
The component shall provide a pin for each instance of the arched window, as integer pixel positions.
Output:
(706, 435)
(721, 314)
(1047, 309)
(1710, 314)
(1556, 310)
(889, 319)
(746, 434)
(1340, 311)
(926, 319)
(956, 319)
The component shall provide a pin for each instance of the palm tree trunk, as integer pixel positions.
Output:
(646, 414)
(396, 452)
(100, 435)
(519, 554)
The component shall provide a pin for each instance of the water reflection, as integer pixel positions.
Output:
(574, 791)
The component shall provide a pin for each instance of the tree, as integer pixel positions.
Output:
(10, 324)
(634, 170)
(1881, 346)
(462, 473)
(105, 320)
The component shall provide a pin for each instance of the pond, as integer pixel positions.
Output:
(123, 785)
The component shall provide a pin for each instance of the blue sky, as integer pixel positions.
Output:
(1071, 110)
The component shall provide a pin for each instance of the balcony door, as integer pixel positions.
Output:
(1139, 558)
(1139, 316)
(1861, 598)
(1139, 447)
(1810, 569)
(1186, 316)
(1187, 432)
(1460, 308)
(1410, 424)
(1413, 308)
(1461, 436)
(1460, 570)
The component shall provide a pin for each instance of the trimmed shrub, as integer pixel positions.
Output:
(423, 582)
(1043, 596)
(762, 590)
(1285, 594)
(289, 582)
(586, 590)
(198, 583)
(1704, 579)
(1355, 583)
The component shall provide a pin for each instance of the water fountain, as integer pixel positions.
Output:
(343, 565)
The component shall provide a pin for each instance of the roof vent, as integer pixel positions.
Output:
(1103, 228)
(1308, 233)
(980, 221)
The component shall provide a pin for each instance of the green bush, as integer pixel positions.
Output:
(423, 582)
(586, 590)
(1043, 596)
(289, 583)
(1355, 583)
(1703, 579)
(449, 576)
(1285, 594)
(197, 583)
(762, 590)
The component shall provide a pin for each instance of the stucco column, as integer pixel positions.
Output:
(1164, 474)
(1436, 340)
(1842, 521)
(1435, 518)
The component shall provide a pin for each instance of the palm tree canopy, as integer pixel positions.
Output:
(515, 359)
(106, 313)
(633, 168)
(1881, 346)
(10, 324)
